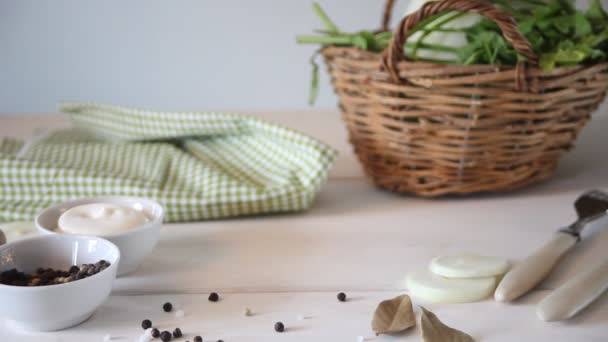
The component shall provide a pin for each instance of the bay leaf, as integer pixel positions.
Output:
(433, 330)
(394, 315)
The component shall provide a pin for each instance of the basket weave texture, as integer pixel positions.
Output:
(434, 129)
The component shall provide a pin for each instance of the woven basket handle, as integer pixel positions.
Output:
(386, 15)
(394, 53)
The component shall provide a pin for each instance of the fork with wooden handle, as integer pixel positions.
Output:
(590, 206)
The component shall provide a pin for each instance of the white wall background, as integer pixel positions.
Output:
(170, 55)
(166, 55)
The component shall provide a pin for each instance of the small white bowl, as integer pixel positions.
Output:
(56, 307)
(135, 244)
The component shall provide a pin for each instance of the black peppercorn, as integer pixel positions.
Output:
(146, 323)
(220, 340)
(167, 307)
(45, 276)
(213, 297)
(177, 333)
(279, 327)
(165, 336)
(198, 339)
(79, 275)
(155, 333)
(342, 297)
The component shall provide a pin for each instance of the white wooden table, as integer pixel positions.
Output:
(356, 239)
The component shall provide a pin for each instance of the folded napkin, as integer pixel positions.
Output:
(198, 165)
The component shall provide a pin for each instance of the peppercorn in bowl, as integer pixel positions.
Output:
(53, 282)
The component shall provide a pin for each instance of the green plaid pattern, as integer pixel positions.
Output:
(198, 165)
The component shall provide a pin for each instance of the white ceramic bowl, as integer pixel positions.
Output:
(135, 244)
(55, 307)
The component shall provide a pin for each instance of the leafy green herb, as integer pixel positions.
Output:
(596, 15)
(582, 25)
(329, 25)
(559, 33)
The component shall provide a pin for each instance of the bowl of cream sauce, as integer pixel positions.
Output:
(131, 223)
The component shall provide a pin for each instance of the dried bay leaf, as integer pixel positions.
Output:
(394, 315)
(433, 330)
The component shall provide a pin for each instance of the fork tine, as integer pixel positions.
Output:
(591, 203)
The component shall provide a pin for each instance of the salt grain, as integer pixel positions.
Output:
(146, 336)
(300, 317)
(179, 313)
(107, 338)
(360, 339)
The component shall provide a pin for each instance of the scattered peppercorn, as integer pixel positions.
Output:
(198, 339)
(279, 327)
(214, 297)
(342, 297)
(220, 340)
(165, 336)
(167, 307)
(155, 333)
(177, 333)
(146, 323)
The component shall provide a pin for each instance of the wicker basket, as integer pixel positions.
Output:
(433, 129)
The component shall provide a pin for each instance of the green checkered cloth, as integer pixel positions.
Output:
(198, 165)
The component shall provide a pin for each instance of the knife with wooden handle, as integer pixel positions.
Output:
(524, 276)
(575, 295)
(531, 271)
